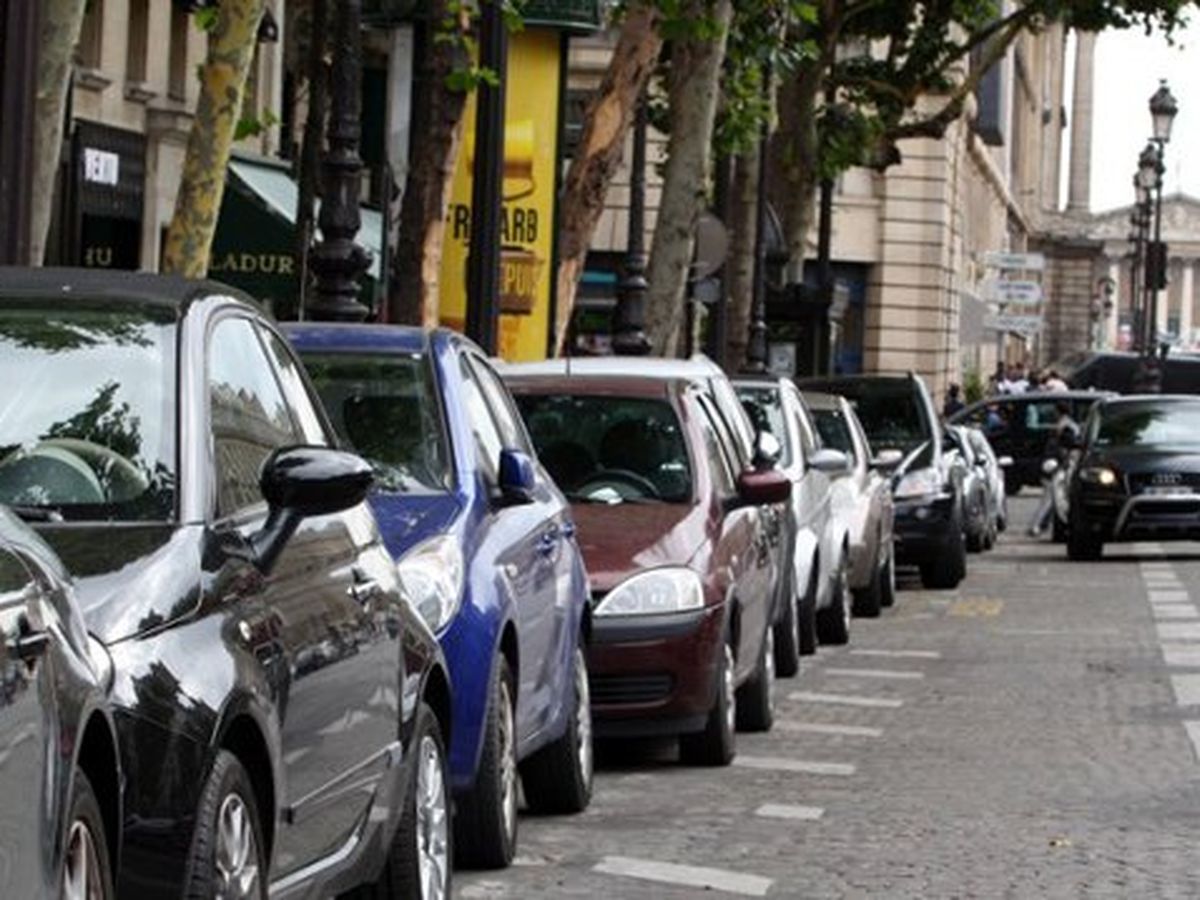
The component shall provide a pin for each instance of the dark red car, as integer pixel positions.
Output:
(675, 540)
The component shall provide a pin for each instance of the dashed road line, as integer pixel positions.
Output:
(1175, 611)
(1167, 596)
(826, 728)
(1178, 631)
(846, 699)
(899, 654)
(801, 766)
(876, 673)
(1181, 655)
(689, 876)
(788, 811)
(1187, 689)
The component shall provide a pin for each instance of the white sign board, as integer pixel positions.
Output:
(1019, 324)
(782, 359)
(1026, 292)
(101, 166)
(1032, 262)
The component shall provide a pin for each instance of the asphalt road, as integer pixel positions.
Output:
(1034, 733)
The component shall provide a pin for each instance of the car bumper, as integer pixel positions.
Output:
(654, 675)
(923, 527)
(1121, 518)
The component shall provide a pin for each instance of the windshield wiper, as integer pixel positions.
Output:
(38, 513)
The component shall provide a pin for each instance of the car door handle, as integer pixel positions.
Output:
(568, 530)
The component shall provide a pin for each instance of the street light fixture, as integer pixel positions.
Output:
(1163, 108)
(1149, 166)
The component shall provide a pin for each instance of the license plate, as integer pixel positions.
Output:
(1169, 490)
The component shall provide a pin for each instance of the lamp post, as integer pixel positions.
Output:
(1149, 183)
(1137, 237)
(629, 317)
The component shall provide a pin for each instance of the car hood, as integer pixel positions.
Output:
(129, 578)
(1139, 462)
(620, 539)
(406, 520)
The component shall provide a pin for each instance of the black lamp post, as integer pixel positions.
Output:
(1150, 169)
(1137, 237)
(629, 317)
(338, 260)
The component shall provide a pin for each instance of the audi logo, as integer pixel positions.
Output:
(1167, 478)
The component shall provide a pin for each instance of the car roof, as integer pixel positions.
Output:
(821, 400)
(1029, 397)
(618, 385)
(626, 366)
(758, 380)
(355, 337)
(1126, 399)
(143, 287)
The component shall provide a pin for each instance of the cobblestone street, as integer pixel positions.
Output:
(1026, 735)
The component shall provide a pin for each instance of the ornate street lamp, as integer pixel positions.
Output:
(629, 316)
(1163, 109)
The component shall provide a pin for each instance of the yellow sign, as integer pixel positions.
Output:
(527, 217)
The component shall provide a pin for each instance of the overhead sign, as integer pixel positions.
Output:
(1023, 292)
(1030, 262)
(1019, 324)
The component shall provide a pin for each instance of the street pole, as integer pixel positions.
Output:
(822, 363)
(487, 185)
(756, 345)
(1160, 262)
(629, 317)
(338, 260)
(18, 79)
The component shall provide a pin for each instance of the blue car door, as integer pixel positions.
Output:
(528, 542)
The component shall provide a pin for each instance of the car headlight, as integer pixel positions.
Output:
(1101, 475)
(654, 592)
(919, 483)
(431, 578)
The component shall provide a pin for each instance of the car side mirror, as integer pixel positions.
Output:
(831, 462)
(762, 488)
(767, 451)
(516, 478)
(298, 482)
(887, 460)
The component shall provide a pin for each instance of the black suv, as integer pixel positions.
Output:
(1113, 370)
(1138, 474)
(898, 416)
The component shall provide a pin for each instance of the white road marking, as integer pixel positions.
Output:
(803, 766)
(689, 876)
(899, 654)
(1187, 689)
(1193, 732)
(1178, 631)
(788, 811)
(1184, 655)
(1175, 611)
(846, 699)
(1167, 596)
(876, 673)
(824, 728)
(1163, 584)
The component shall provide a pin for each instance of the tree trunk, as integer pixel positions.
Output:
(601, 147)
(795, 160)
(438, 115)
(62, 21)
(222, 86)
(311, 144)
(742, 264)
(695, 79)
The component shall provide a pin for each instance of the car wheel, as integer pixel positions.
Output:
(787, 637)
(806, 627)
(889, 579)
(418, 863)
(558, 778)
(717, 743)
(485, 822)
(1082, 545)
(228, 858)
(868, 601)
(833, 622)
(950, 567)
(756, 698)
(87, 869)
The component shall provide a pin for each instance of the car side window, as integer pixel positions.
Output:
(717, 449)
(248, 414)
(488, 440)
(296, 391)
(512, 431)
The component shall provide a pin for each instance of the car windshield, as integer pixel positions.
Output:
(386, 407)
(834, 430)
(764, 406)
(604, 449)
(1152, 424)
(889, 412)
(87, 416)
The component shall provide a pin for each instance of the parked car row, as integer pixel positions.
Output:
(297, 610)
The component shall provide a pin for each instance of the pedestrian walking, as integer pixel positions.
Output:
(954, 401)
(1062, 440)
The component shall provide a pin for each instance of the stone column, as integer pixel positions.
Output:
(1079, 185)
(1186, 298)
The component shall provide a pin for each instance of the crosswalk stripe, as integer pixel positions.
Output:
(899, 654)
(845, 699)
(1183, 655)
(802, 766)
(700, 877)
(1178, 631)
(1187, 689)
(789, 811)
(827, 728)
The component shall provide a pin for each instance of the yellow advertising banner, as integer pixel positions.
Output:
(527, 219)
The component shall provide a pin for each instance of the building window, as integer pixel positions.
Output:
(178, 55)
(88, 54)
(139, 36)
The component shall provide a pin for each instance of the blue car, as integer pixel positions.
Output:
(485, 548)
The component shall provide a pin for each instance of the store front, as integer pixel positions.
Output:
(108, 173)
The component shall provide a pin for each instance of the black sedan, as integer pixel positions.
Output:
(1137, 476)
(280, 710)
(58, 766)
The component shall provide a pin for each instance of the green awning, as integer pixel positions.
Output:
(576, 15)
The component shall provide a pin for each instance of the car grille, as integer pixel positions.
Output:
(1139, 482)
(617, 689)
(1157, 509)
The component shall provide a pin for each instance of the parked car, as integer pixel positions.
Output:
(485, 546)
(1019, 425)
(1138, 474)
(994, 468)
(979, 519)
(681, 564)
(813, 601)
(170, 449)
(865, 495)
(897, 414)
(1117, 371)
(61, 817)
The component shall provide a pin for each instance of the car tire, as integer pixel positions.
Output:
(485, 819)
(787, 637)
(806, 627)
(756, 698)
(558, 778)
(950, 567)
(716, 745)
(868, 601)
(87, 867)
(1082, 545)
(418, 864)
(227, 845)
(833, 622)
(888, 597)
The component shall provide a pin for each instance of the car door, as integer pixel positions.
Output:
(322, 641)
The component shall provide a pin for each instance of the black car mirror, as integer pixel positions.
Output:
(767, 451)
(298, 482)
(516, 478)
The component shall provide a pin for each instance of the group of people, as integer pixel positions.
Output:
(1007, 379)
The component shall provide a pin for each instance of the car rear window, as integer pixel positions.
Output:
(610, 449)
